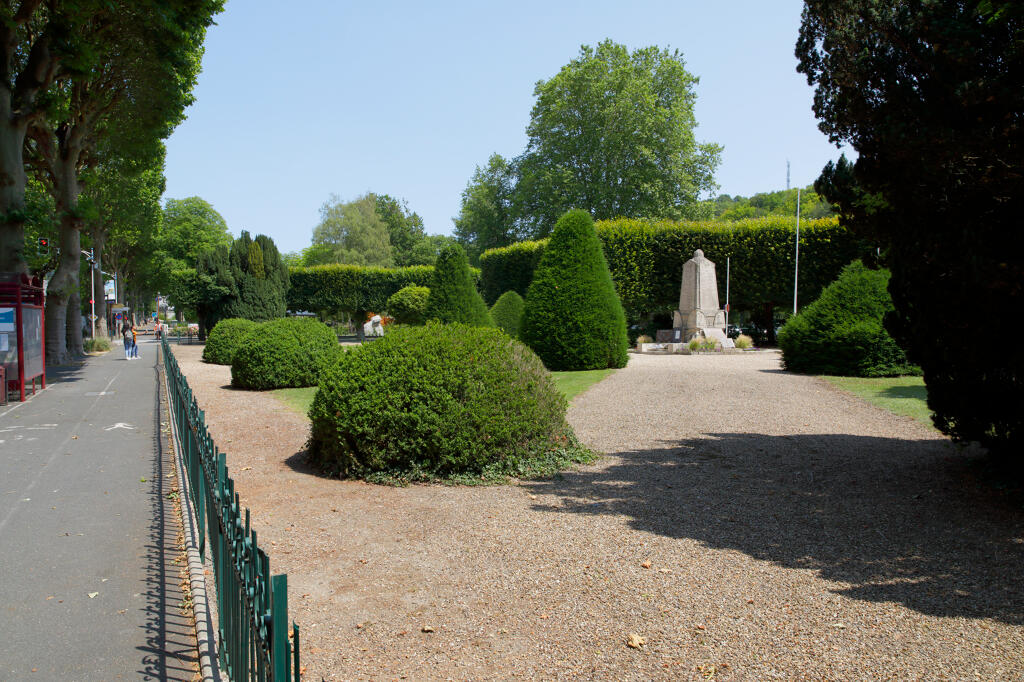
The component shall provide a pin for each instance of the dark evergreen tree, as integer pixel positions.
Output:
(929, 94)
(573, 318)
(453, 295)
(261, 279)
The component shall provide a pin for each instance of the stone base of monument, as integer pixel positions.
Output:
(663, 348)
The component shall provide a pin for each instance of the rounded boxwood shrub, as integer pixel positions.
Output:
(440, 401)
(507, 313)
(573, 318)
(282, 353)
(842, 333)
(225, 338)
(408, 305)
(453, 295)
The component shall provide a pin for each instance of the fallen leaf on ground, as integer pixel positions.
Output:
(700, 627)
(93, 595)
(427, 628)
(635, 641)
(74, 437)
(646, 564)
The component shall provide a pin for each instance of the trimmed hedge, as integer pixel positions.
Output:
(284, 353)
(507, 313)
(408, 305)
(573, 318)
(435, 402)
(353, 288)
(453, 295)
(841, 333)
(646, 260)
(225, 338)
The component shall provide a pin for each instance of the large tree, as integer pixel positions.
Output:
(131, 79)
(929, 95)
(487, 216)
(189, 227)
(122, 196)
(613, 133)
(354, 232)
(405, 228)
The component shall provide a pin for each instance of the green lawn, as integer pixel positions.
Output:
(299, 399)
(570, 384)
(902, 395)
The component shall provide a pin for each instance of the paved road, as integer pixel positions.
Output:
(88, 585)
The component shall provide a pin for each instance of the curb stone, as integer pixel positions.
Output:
(209, 665)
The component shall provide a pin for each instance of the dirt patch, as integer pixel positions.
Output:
(746, 524)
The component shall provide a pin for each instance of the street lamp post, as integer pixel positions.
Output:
(796, 268)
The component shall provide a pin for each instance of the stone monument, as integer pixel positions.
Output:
(698, 312)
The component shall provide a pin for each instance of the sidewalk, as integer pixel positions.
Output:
(90, 586)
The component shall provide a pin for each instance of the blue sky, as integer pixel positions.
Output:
(406, 98)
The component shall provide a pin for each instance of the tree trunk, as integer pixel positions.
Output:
(74, 326)
(99, 238)
(12, 193)
(64, 283)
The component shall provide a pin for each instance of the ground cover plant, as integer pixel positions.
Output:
(283, 353)
(225, 338)
(507, 313)
(573, 318)
(440, 402)
(841, 332)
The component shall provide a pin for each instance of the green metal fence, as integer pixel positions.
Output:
(252, 605)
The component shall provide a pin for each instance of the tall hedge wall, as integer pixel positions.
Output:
(353, 288)
(646, 260)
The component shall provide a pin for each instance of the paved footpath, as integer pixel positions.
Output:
(89, 585)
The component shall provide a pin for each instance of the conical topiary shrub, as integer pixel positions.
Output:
(507, 313)
(453, 295)
(573, 318)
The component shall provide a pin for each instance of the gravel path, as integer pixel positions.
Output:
(747, 524)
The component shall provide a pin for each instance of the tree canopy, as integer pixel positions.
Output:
(613, 133)
(189, 227)
(352, 233)
(929, 95)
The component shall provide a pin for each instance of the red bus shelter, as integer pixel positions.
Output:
(21, 334)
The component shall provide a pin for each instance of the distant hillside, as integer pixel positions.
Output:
(781, 203)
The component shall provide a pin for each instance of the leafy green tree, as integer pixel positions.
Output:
(189, 227)
(131, 77)
(573, 318)
(453, 295)
(123, 194)
(612, 133)
(929, 95)
(405, 229)
(354, 232)
(486, 217)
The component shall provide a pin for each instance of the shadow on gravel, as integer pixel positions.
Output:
(918, 523)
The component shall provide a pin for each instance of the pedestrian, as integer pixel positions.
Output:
(126, 334)
(135, 342)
